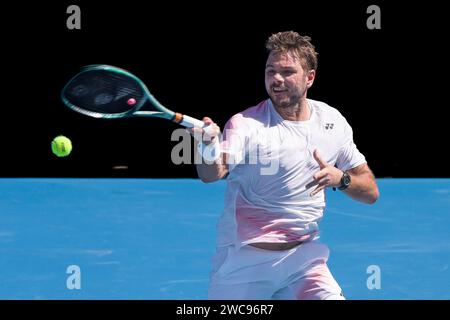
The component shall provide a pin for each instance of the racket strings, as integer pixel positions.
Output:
(104, 92)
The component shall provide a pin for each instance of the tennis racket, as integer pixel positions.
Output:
(103, 91)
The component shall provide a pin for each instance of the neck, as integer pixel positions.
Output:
(297, 112)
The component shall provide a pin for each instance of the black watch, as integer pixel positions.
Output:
(345, 181)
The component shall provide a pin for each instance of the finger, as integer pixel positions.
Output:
(317, 190)
(317, 177)
(325, 181)
(197, 133)
(322, 184)
(322, 163)
(320, 174)
(211, 132)
(312, 184)
(207, 120)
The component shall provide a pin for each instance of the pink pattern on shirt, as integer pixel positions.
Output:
(257, 224)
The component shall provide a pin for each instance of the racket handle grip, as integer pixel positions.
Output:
(191, 122)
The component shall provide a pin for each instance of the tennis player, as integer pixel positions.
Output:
(278, 157)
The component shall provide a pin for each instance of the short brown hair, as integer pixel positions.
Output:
(290, 41)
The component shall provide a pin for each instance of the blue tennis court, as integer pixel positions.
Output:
(154, 238)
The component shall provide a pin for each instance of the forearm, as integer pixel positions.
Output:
(363, 187)
(210, 171)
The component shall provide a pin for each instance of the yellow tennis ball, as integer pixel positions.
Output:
(61, 146)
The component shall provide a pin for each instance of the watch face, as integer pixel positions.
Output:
(346, 179)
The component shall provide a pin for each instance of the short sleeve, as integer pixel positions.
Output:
(349, 156)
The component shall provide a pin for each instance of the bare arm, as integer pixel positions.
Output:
(213, 171)
(363, 186)
(209, 171)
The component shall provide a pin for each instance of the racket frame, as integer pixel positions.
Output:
(162, 112)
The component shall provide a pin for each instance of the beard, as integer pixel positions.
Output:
(285, 101)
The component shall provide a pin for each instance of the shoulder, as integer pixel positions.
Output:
(251, 117)
(324, 110)
(330, 121)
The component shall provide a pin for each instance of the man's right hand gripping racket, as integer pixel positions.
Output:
(103, 91)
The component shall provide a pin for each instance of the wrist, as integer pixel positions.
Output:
(209, 152)
(345, 181)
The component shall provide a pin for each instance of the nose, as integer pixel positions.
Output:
(277, 77)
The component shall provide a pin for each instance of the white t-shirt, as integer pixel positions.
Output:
(270, 162)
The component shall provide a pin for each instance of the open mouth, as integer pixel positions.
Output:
(278, 90)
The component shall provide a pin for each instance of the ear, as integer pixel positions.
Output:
(311, 75)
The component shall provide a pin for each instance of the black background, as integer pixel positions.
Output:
(208, 59)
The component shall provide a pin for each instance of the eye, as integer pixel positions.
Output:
(288, 73)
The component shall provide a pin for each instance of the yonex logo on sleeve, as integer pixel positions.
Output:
(329, 126)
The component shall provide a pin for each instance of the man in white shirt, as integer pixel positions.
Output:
(278, 158)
